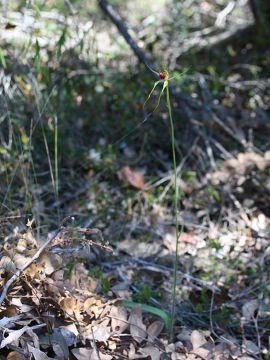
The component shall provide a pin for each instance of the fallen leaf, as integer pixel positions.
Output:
(101, 333)
(137, 328)
(119, 319)
(197, 339)
(12, 336)
(139, 249)
(68, 305)
(38, 355)
(155, 329)
(133, 177)
(151, 351)
(249, 308)
(251, 348)
(52, 262)
(82, 353)
(69, 336)
(8, 320)
(14, 355)
(188, 238)
(89, 354)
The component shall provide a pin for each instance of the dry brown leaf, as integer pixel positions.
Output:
(68, 304)
(89, 354)
(101, 333)
(119, 319)
(59, 351)
(202, 352)
(137, 328)
(122, 289)
(152, 352)
(12, 336)
(72, 328)
(20, 260)
(38, 355)
(90, 302)
(82, 353)
(36, 271)
(188, 238)
(52, 262)
(30, 240)
(133, 177)
(155, 329)
(7, 320)
(7, 268)
(21, 245)
(14, 355)
(69, 336)
(249, 308)
(10, 312)
(80, 279)
(197, 339)
(139, 249)
(77, 310)
(251, 347)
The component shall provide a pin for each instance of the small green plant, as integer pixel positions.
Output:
(164, 79)
(144, 294)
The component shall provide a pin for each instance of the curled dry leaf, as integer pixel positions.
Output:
(119, 319)
(133, 177)
(137, 328)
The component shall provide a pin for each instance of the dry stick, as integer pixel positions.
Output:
(35, 257)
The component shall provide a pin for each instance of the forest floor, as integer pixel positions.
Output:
(87, 188)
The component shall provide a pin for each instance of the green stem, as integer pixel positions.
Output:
(56, 165)
(176, 214)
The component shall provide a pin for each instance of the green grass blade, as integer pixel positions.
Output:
(161, 93)
(151, 92)
(2, 59)
(150, 309)
(61, 42)
(37, 57)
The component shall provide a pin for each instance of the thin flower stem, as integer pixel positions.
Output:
(176, 214)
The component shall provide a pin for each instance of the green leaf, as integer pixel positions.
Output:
(151, 92)
(61, 42)
(2, 59)
(37, 57)
(165, 84)
(150, 309)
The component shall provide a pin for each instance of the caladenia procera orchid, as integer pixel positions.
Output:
(164, 79)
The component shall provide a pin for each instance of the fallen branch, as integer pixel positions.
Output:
(29, 262)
